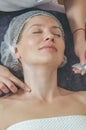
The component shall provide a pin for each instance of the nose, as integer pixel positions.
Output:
(49, 36)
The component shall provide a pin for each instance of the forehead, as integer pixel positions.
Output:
(42, 19)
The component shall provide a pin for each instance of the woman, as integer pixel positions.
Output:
(8, 81)
(34, 44)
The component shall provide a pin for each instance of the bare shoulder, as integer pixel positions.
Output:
(81, 96)
(65, 91)
(78, 95)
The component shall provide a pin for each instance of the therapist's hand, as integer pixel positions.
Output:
(8, 82)
(80, 51)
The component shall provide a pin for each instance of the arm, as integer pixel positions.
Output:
(76, 12)
(8, 82)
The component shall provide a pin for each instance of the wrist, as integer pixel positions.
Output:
(79, 35)
(79, 30)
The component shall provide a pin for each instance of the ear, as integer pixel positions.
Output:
(16, 52)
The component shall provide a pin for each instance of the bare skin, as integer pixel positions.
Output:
(25, 107)
(46, 99)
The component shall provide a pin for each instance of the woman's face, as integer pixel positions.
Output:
(41, 42)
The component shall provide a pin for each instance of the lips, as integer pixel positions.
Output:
(48, 47)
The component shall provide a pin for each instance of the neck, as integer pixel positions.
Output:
(42, 81)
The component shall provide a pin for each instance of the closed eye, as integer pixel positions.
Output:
(37, 32)
(58, 35)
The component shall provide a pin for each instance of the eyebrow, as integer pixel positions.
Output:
(56, 27)
(35, 25)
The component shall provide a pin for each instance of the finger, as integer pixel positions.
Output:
(11, 86)
(77, 71)
(3, 88)
(19, 83)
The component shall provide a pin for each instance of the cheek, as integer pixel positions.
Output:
(33, 40)
(31, 44)
(27, 46)
(27, 50)
(61, 46)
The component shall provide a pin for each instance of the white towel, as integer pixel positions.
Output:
(55, 123)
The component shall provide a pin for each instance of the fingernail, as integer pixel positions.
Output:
(29, 90)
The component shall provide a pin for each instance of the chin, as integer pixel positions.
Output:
(49, 60)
